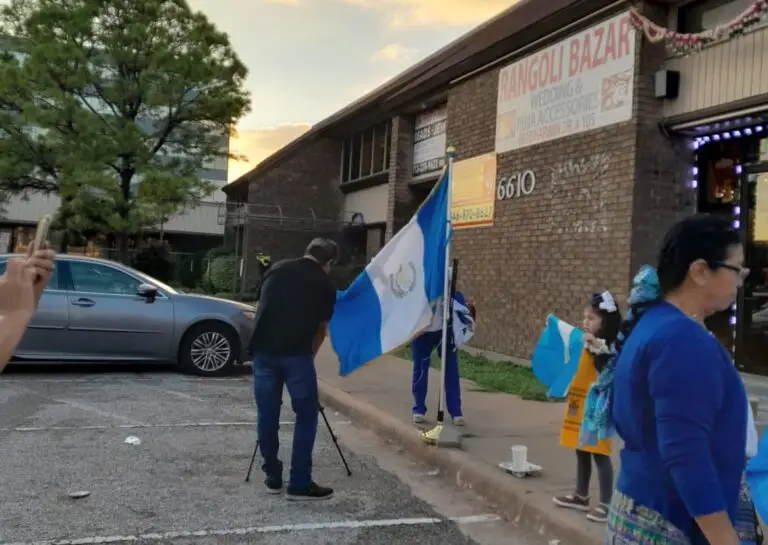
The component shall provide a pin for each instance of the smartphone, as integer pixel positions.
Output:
(41, 233)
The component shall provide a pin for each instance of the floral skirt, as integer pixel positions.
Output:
(747, 524)
(632, 524)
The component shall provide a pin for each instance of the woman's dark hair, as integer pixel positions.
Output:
(702, 236)
(609, 327)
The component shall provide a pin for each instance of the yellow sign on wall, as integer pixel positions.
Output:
(473, 192)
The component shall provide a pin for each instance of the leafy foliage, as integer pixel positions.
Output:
(155, 259)
(116, 105)
(222, 273)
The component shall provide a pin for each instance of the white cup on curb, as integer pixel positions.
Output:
(519, 458)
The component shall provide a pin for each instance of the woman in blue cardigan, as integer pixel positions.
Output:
(678, 401)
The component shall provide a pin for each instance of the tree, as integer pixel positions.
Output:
(115, 105)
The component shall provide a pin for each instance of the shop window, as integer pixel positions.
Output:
(718, 189)
(365, 154)
(708, 14)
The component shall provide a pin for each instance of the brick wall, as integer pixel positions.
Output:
(546, 252)
(587, 225)
(660, 193)
(305, 184)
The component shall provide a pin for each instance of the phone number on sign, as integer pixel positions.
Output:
(468, 215)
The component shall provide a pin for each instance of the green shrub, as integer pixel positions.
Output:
(213, 253)
(154, 258)
(222, 273)
(190, 269)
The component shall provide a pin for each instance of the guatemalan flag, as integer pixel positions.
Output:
(393, 299)
(556, 356)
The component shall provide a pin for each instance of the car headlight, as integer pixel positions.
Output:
(249, 314)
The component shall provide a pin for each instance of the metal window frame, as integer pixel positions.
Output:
(348, 146)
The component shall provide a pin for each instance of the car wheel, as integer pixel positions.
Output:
(208, 349)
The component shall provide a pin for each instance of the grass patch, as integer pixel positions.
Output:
(493, 376)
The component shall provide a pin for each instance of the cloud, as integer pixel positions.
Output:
(284, 2)
(394, 52)
(416, 13)
(258, 144)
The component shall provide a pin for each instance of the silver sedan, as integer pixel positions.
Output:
(95, 310)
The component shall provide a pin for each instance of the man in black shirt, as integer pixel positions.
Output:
(296, 304)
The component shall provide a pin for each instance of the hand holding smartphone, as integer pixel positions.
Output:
(39, 257)
(41, 234)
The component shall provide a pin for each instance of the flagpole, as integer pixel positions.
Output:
(445, 433)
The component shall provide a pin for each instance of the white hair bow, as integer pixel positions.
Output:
(607, 304)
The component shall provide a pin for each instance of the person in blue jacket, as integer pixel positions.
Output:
(677, 400)
(425, 344)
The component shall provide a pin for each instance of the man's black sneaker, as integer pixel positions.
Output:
(312, 492)
(274, 485)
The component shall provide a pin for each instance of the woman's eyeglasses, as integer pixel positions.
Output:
(742, 272)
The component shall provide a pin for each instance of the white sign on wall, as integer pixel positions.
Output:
(581, 83)
(429, 141)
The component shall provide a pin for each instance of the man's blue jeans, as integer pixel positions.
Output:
(298, 374)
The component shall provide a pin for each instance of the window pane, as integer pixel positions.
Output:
(379, 148)
(356, 152)
(53, 283)
(93, 278)
(365, 169)
(345, 155)
(708, 14)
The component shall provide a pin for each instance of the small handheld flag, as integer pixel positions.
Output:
(556, 356)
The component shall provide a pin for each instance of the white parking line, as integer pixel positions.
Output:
(95, 410)
(309, 527)
(26, 429)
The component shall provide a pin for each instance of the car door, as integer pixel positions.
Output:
(109, 321)
(46, 336)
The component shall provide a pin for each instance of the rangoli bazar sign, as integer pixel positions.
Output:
(582, 83)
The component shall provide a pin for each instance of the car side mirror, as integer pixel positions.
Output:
(148, 292)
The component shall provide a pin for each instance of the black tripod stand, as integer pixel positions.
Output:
(321, 409)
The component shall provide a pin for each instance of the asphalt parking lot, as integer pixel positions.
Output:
(65, 431)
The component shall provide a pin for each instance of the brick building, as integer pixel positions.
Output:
(598, 141)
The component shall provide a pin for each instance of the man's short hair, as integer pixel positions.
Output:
(323, 250)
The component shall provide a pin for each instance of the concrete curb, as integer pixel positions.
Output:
(510, 497)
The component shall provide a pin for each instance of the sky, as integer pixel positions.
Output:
(309, 58)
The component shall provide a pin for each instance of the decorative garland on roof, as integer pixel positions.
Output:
(685, 44)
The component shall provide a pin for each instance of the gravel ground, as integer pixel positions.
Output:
(66, 431)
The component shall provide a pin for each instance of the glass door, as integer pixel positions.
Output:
(752, 305)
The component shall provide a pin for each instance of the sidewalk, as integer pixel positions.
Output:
(379, 397)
